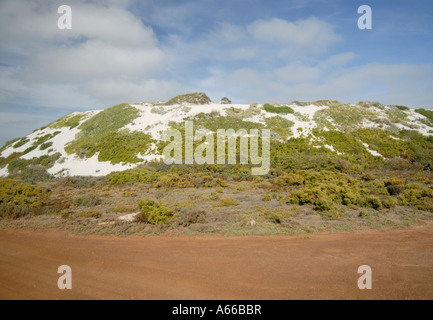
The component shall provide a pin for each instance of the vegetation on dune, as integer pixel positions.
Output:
(20, 143)
(428, 114)
(239, 113)
(13, 156)
(346, 118)
(45, 161)
(100, 134)
(278, 109)
(70, 121)
(280, 126)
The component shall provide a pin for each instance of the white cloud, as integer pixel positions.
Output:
(96, 59)
(310, 34)
(296, 73)
(391, 84)
(109, 56)
(115, 90)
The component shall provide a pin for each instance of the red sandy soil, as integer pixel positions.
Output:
(320, 266)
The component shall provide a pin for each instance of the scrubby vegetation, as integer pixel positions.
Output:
(70, 121)
(341, 175)
(426, 113)
(101, 134)
(154, 212)
(280, 126)
(18, 199)
(346, 118)
(278, 109)
(45, 161)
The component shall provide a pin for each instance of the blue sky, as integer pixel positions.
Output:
(247, 50)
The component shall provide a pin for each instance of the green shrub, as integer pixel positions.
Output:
(394, 190)
(153, 212)
(331, 214)
(9, 144)
(101, 134)
(389, 203)
(14, 211)
(90, 214)
(280, 126)
(45, 146)
(20, 143)
(30, 149)
(5, 161)
(15, 193)
(89, 200)
(124, 209)
(70, 120)
(402, 108)
(346, 118)
(276, 215)
(136, 175)
(266, 197)
(381, 141)
(323, 205)
(44, 161)
(371, 202)
(426, 113)
(33, 174)
(226, 202)
(279, 110)
(394, 182)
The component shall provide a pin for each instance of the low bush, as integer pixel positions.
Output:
(70, 120)
(266, 197)
(226, 202)
(89, 200)
(33, 174)
(323, 205)
(153, 212)
(389, 203)
(394, 190)
(331, 214)
(20, 143)
(279, 110)
(16, 193)
(276, 216)
(45, 145)
(124, 209)
(90, 214)
(280, 126)
(14, 211)
(371, 202)
(189, 217)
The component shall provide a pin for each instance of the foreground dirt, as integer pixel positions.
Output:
(320, 266)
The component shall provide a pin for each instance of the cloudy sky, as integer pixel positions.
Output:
(248, 50)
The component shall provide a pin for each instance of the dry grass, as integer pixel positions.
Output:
(238, 209)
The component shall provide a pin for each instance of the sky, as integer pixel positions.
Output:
(247, 50)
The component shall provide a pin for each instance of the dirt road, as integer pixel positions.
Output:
(322, 266)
